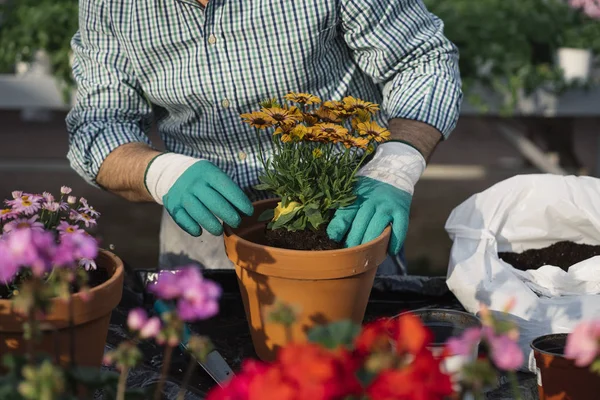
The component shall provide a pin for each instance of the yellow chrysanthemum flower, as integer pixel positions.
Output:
(310, 119)
(351, 105)
(333, 105)
(282, 130)
(295, 111)
(302, 98)
(279, 210)
(257, 119)
(299, 132)
(361, 142)
(373, 131)
(280, 116)
(326, 115)
(286, 138)
(317, 153)
(330, 130)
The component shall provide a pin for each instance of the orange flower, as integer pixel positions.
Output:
(361, 143)
(326, 115)
(280, 116)
(373, 131)
(329, 130)
(310, 119)
(409, 333)
(257, 119)
(333, 105)
(283, 130)
(352, 105)
(302, 98)
(286, 138)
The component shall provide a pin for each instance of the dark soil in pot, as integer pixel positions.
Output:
(301, 240)
(561, 254)
(96, 278)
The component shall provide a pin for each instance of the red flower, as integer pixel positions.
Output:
(422, 379)
(318, 373)
(374, 337)
(238, 387)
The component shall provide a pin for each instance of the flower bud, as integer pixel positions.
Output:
(136, 319)
(65, 190)
(72, 200)
(151, 328)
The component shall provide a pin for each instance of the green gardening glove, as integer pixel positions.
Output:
(377, 206)
(384, 195)
(196, 193)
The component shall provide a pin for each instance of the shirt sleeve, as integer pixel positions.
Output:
(401, 46)
(110, 109)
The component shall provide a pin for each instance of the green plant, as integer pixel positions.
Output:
(30, 25)
(317, 153)
(509, 46)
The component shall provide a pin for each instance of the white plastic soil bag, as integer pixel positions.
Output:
(521, 213)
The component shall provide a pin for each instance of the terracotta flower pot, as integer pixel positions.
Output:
(326, 285)
(558, 377)
(91, 319)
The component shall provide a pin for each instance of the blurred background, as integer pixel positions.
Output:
(532, 105)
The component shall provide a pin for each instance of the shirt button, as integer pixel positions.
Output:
(212, 39)
(225, 103)
(241, 155)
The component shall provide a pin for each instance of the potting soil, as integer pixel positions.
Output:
(301, 240)
(562, 254)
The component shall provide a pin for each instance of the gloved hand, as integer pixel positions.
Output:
(195, 193)
(384, 194)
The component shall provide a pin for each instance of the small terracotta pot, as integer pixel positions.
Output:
(327, 286)
(558, 377)
(91, 319)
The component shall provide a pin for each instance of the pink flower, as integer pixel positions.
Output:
(151, 328)
(48, 197)
(196, 297)
(583, 344)
(138, 321)
(26, 204)
(65, 228)
(17, 194)
(85, 218)
(72, 200)
(22, 223)
(7, 213)
(51, 206)
(88, 264)
(8, 265)
(466, 343)
(65, 190)
(32, 248)
(506, 353)
(590, 7)
(74, 247)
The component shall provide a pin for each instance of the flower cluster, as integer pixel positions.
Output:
(389, 359)
(589, 7)
(583, 345)
(196, 297)
(317, 150)
(61, 220)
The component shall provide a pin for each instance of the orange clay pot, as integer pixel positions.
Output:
(326, 286)
(91, 319)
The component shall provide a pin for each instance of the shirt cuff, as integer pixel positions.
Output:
(90, 147)
(431, 99)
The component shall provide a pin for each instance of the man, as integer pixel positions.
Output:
(196, 65)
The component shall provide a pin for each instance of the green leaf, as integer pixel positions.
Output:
(335, 334)
(262, 186)
(315, 217)
(595, 367)
(94, 377)
(284, 219)
(266, 215)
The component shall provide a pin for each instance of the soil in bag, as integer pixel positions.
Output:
(561, 254)
(301, 240)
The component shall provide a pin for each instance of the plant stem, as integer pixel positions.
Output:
(30, 338)
(71, 331)
(122, 384)
(288, 334)
(512, 377)
(186, 378)
(163, 372)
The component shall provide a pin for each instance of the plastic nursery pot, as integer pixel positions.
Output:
(91, 319)
(326, 286)
(558, 377)
(445, 324)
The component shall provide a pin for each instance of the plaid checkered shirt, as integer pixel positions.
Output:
(194, 70)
